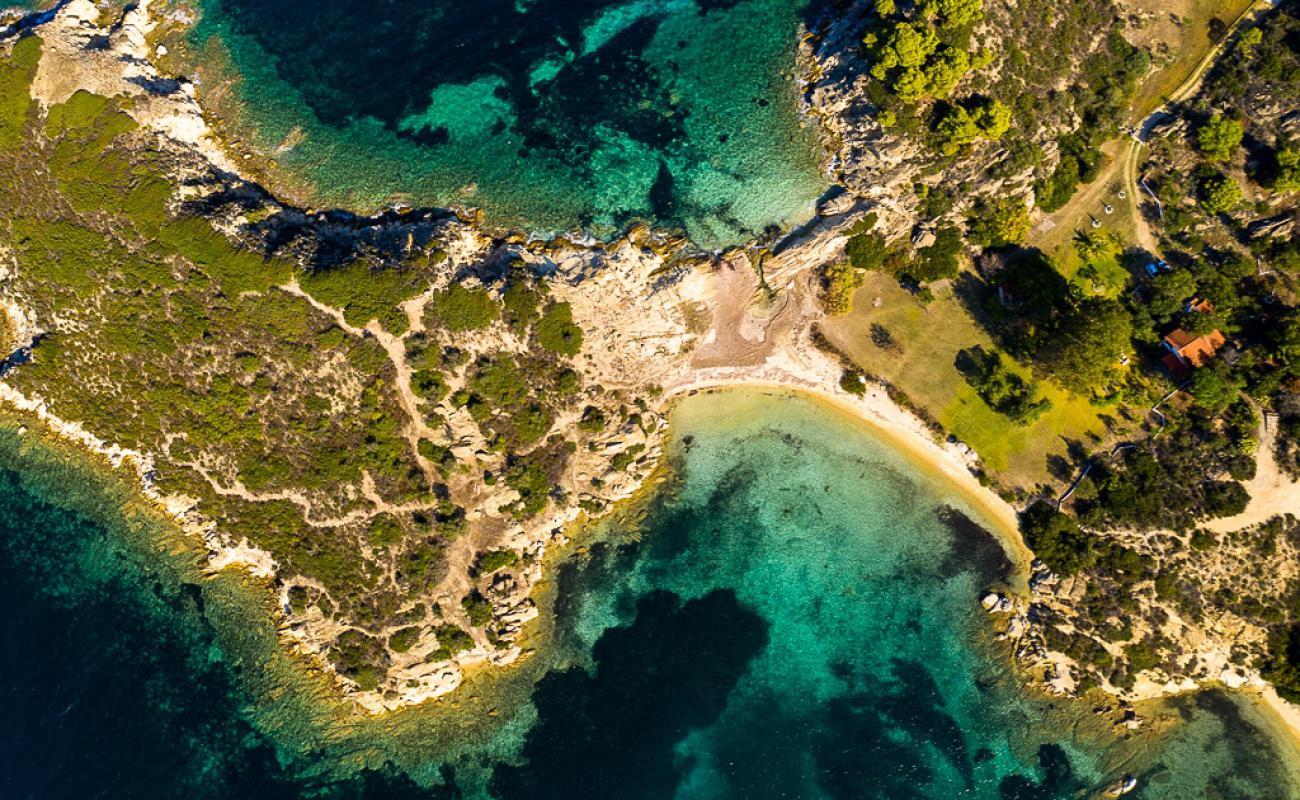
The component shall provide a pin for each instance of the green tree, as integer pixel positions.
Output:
(940, 260)
(998, 223)
(959, 127)
(1098, 246)
(1218, 192)
(1284, 339)
(1170, 292)
(912, 84)
(945, 70)
(1083, 353)
(1285, 175)
(954, 13)
(1219, 136)
(1057, 539)
(907, 45)
(839, 281)
(956, 129)
(1214, 387)
(993, 118)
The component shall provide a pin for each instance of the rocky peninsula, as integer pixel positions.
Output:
(390, 418)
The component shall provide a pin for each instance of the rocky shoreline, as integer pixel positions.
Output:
(682, 320)
(660, 319)
(665, 286)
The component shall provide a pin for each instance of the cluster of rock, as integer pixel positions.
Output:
(1197, 633)
(645, 303)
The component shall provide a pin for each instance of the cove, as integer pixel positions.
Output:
(549, 114)
(832, 583)
(795, 616)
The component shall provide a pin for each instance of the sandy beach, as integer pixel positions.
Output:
(904, 432)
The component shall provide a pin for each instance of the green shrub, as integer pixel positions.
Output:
(940, 260)
(384, 531)
(365, 294)
(16, 73)
(593, 420)
(851, 381)
(1142, 656)
(839, 281)
(521, 301)
(499, 381)
(477, 609)
(404, 639)
(359, 657)
(463, 308)
(556, 331)
(452, 640)
(494, 560)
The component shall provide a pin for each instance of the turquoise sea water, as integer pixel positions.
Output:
(848, 657)
(552, 115)
(795, 617)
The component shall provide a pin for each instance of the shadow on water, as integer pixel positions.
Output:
(611, 734)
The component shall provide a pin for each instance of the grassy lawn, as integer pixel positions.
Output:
(1088, 204)
(929, 338)
(1188, 44)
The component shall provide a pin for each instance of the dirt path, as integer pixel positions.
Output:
(1123, 168)
(395, 347)
(1271, 491)
(1185, 91)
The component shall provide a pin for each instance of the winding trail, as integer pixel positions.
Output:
(395, 347)
(1126, 155)
(1142, 133)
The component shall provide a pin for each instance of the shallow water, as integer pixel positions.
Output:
(552, 115)
(797, 617)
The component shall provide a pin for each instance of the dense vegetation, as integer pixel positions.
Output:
(268, 387)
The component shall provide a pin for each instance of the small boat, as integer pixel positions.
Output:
(1119, 787)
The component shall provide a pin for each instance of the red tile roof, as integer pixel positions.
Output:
(1194, 350)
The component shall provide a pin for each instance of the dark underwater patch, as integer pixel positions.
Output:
(611, 734)
(973, 548)
(878, 742)
(383, 60)
(1059, 780)
(1256, 772)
